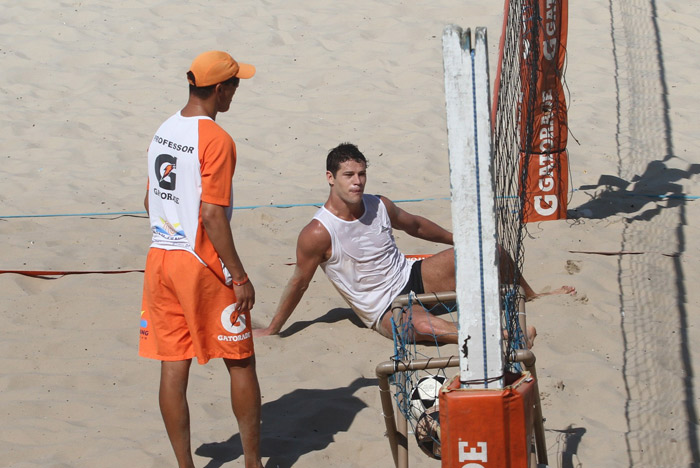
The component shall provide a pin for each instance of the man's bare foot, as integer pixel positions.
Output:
(570, 290)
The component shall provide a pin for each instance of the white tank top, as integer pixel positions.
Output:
(365, 266)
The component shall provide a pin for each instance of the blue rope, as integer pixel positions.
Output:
(294, 205)
(479, 228)
(249, 207)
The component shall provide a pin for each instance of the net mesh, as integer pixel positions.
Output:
(512, 98)
(413, 398)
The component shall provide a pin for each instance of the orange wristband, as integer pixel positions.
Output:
(240, 283)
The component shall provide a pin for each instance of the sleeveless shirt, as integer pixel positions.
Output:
(365, 266)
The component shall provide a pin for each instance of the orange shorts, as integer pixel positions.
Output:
(187, 311)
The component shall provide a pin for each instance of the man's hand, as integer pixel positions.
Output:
(245, 296)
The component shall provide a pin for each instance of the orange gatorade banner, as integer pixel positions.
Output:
(544, 114)
(547, 185)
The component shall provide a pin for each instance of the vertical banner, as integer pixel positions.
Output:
(543, 113)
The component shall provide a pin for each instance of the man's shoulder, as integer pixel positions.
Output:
(212, 130)
(315, 230)
(314, 241)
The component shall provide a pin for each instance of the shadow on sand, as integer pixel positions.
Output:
(300, 422)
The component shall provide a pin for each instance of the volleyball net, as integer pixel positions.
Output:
(508, 166)
(530, 128)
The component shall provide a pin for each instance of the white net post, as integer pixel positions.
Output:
(473, 217)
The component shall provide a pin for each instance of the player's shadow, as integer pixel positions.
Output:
(658, 184)
(332, 316)
(568, 441)
(300, 422)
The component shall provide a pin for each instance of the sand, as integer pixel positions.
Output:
(85, 85)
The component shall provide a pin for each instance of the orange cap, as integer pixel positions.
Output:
(214, 67)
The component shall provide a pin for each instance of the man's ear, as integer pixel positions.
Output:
(330, 178)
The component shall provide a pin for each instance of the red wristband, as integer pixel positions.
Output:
(240, 283)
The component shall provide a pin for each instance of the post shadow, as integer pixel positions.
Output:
(569, 440)
(300, 422)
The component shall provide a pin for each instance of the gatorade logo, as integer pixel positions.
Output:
(230, 326)
(144, 326)
(165, 171)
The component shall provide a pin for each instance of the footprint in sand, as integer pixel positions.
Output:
(573, 267)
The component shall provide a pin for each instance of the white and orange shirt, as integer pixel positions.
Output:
(190, 160)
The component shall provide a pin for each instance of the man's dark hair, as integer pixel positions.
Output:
(341, 153)
(204, 92)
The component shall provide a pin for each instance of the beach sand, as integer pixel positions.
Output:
(86, 84)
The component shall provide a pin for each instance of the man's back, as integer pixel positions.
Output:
(190, 160)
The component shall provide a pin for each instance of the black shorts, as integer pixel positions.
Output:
(415, 280)
(414, 283)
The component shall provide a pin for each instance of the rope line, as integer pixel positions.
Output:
(295, 205)
(249, 207)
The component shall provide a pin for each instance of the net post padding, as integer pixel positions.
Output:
(487, 427)
(473, 206)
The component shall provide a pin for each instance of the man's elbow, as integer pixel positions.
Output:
(210, 214)
(301, 285)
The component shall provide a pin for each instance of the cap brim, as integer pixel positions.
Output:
(245, 70)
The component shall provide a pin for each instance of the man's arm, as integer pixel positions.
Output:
(217, 226)
(313, 248)
(416, 226)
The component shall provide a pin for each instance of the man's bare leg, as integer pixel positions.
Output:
(506, 269)
(428, 328)
(173, 406)
(245, 401)
(438, 272)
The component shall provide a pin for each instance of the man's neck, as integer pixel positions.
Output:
(198, 107)
(343, 210)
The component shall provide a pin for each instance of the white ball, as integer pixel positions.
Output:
(425, 394)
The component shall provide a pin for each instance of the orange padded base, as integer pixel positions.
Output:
(482, 428)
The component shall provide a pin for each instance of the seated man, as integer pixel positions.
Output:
(350, 237)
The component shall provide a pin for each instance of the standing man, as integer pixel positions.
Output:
(196, 295)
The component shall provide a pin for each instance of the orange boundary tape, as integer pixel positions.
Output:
(39, 273)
